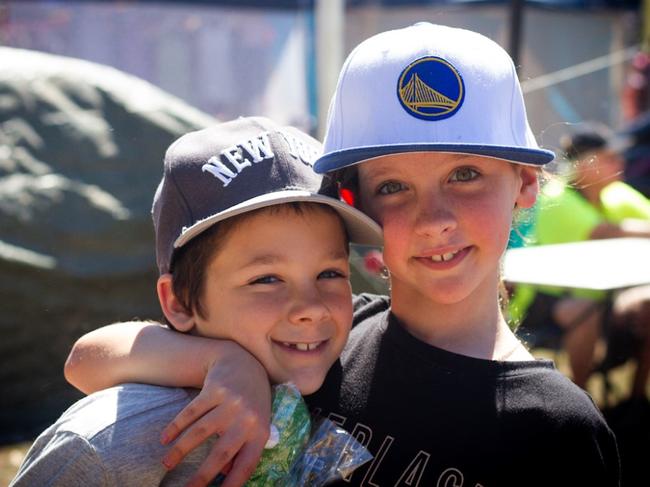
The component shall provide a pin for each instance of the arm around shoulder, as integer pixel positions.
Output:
(145, 352)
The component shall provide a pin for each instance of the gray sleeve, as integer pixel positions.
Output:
(63, 460)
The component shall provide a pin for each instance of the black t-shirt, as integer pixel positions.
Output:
(435, 418)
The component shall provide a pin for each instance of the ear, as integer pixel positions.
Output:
(175, 312)
(528, 177)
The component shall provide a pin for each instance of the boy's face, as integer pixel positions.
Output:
(446, 221)
(279, 286)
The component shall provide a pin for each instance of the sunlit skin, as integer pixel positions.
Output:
(279, 286)
(445, 230)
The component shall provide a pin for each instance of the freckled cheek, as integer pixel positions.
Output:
(340, 305)
(494, 222)
(263, 308)
(397, 233)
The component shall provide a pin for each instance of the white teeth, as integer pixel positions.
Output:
(444, 257)
(303, 347)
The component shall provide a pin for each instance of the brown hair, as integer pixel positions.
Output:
(344, 178)
(190, 262)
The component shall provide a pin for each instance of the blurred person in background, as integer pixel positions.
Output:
(592, 202)
(635, 100)
(635, 108)
(637, 154)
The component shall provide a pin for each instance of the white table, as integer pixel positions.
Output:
(606, 264)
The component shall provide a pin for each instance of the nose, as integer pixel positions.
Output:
(307, 306)
(434, 217)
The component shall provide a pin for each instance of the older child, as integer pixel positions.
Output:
(427, 131)
(248, 251)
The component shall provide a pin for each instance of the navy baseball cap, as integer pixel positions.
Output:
(236, 167)
(427, 88)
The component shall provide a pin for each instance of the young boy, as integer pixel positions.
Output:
(248, 251)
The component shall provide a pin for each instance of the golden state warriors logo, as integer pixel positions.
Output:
(431, 89)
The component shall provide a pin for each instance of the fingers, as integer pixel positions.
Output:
(196, 409)
(235, 404)
(215, 422)
(244, 464)
(218, 460)
(233, 428)
(244, 443)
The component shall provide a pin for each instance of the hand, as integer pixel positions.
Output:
(235, 404)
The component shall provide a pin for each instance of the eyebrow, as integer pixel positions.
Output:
(269, 259)
(338, 254)
(387, 167)
(382, 170)
(265, 259)
(460, 156)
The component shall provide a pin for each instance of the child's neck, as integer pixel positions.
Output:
(474, 326)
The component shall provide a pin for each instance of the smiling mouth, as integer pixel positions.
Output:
(304, 347)
(444, 257)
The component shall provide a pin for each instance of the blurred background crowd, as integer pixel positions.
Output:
(92, 93)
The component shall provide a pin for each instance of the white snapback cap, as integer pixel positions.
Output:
(428, 87)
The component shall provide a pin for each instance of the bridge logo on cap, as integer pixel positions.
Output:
(430, 88)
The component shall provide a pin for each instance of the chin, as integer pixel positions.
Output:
(308, 385)
(455, 291)
(306, 391)
(451, 295)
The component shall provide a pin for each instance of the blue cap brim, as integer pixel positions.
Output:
(348, 157)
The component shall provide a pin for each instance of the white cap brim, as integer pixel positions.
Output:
(361, 228)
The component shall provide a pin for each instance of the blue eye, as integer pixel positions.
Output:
(464, 174)
(331, 274)
(390, 187)
(266, 280)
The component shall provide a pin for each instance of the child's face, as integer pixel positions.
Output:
(279, 286)
(446, 220)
